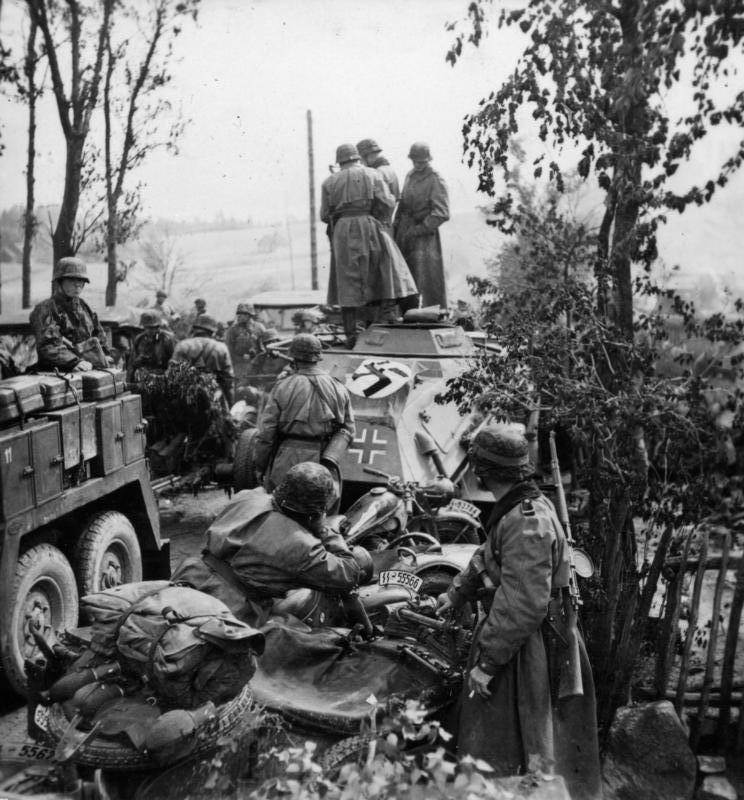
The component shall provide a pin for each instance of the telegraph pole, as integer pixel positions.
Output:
(313, 237)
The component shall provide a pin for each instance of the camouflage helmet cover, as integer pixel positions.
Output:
(150, 319)
(246, 308)
(346, 152)
(305, 347)
(70, 267)
(367, 146)
(500, 447)
(419, 152)
(205, 322)
(307, 488)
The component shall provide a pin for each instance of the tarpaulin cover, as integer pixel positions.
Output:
(315, 678)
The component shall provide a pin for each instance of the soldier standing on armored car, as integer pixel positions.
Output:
(68, 334)
(303, 412)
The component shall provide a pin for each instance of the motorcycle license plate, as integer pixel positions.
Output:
(407, 580)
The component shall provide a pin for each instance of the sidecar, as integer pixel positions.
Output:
(330, 680)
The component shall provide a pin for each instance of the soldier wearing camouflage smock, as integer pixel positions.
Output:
(153, 348)
(205, 353)
(64, 323)
(302, 412)
(524, 696)
(423, 207)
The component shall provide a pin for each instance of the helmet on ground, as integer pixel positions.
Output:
(246, 308)
(419, 151)
(346, 152)
(200, 301)
(206, 323)
(161, 295)
(269, 335)
(307, 488)
(150, 319)
(501, 448)
(367, 146)
(305, 347)
(70, 267)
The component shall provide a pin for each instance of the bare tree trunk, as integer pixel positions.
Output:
(29, 218)
(111, 200)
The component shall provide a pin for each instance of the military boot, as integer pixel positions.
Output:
(349, 319)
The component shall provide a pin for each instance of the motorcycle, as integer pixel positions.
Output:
(398, 512)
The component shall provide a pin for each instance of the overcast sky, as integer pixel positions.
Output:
(250, 72)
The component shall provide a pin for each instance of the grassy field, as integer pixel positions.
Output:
(230, 265)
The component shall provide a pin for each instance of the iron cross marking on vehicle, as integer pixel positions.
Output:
(367, 444)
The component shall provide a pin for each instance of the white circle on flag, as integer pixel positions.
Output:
(378, 377)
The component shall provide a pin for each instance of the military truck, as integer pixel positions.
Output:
(77, 511)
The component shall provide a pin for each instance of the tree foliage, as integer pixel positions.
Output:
(651, 435)
(595, 83)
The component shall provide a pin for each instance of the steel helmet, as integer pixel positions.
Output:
(307, 488)
(205, 322)
(160, 293)
(246, 308)
(70, 267)
(150, 319)
(269, 335)
(346, 152)
(501, 447)
(305, 347)
(200, 301)
(419, 152)
(367, 146)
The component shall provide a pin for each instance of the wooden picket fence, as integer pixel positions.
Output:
(708, 647)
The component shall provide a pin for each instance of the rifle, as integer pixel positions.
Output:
(573, 585)
(563, 621)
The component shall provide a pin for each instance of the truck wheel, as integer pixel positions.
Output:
(244, 470)
(107, 553)
(44, 596)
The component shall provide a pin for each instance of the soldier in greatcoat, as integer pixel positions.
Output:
(302, 413)
(397, 284)
(262, 547)
(524, 696)
(68, 334)
(353, 201)
(423, 207)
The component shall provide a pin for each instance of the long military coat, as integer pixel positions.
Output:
(303, 410)
(526, 558)
(354, 200)
(270, 555)
(423, 207)
(60, 324)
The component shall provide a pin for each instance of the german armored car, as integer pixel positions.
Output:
(77, 511)
(394, 372)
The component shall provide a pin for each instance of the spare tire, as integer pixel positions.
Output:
(244, 469)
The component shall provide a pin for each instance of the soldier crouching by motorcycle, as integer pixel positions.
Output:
(307, 415)
(524, 695)
(263, 547)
